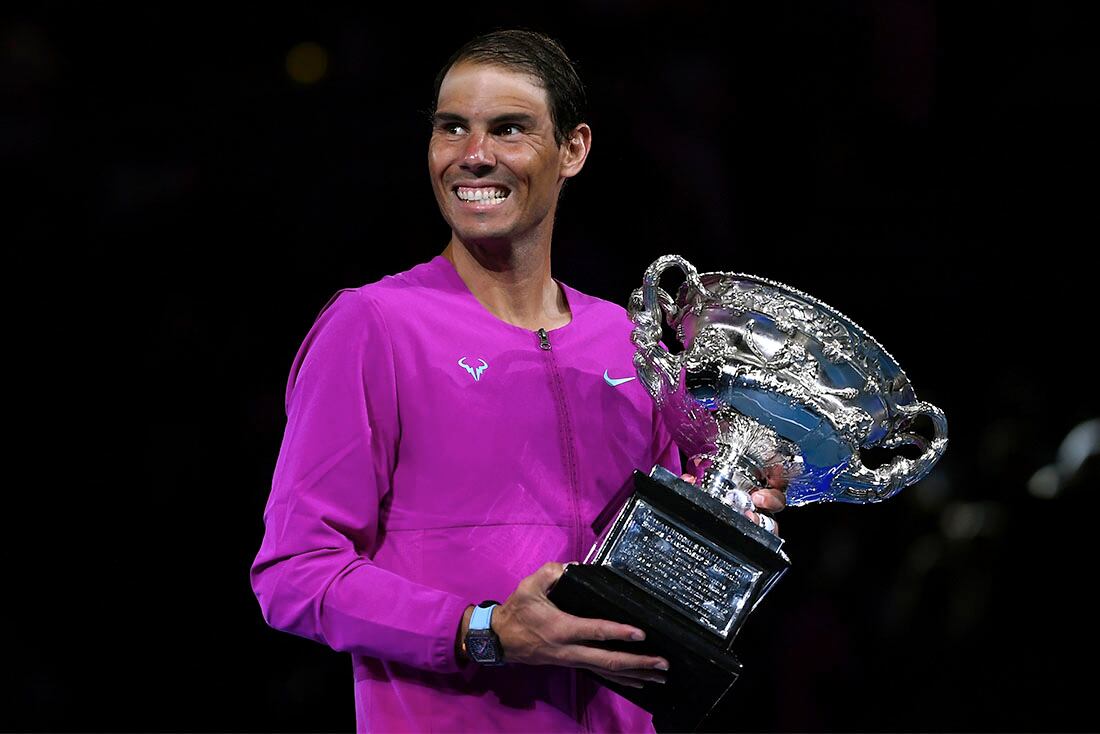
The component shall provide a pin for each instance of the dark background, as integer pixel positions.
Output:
(181, 208)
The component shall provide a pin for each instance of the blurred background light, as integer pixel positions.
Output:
(964, 521)
(307, 62)
(1080, 445)
(1044, 484)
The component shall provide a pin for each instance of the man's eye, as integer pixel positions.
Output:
(510, 129)
(449, 128)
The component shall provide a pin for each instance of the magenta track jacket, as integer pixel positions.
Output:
(435, 455)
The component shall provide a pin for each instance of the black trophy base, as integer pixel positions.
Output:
(700, 672)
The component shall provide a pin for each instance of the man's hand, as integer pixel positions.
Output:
(535, 632)
(771, 498)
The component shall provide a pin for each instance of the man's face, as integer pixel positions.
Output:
(496, 169)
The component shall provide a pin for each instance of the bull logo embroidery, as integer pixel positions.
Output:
(475, 372)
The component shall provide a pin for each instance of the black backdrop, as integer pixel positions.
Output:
(181, 208)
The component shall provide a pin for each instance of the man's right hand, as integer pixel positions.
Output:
(535, 632)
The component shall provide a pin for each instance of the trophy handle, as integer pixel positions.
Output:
(649, 306)
(888, 480)
(653, 297)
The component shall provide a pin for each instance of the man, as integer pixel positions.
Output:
(453, 431)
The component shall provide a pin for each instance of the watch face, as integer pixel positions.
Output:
(482, 648)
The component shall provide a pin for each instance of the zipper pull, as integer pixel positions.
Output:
(544, 339)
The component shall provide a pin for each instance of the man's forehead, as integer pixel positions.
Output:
(490, 89)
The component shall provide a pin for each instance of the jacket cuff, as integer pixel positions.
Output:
(442, 649)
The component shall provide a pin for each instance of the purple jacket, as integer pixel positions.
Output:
(433, 457)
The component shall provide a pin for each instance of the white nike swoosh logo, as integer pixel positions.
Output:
(614, 381)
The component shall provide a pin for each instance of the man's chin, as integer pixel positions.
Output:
(488, 237)
(487, 243)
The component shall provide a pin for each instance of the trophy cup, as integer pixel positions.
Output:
(771, 383)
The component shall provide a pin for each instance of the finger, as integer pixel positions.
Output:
(767, 523)
(547, 575)
(580, 629)
(776, 477)
(771, 500)
(689, 478)
(609, 661)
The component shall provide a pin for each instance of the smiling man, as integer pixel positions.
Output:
(454, 431)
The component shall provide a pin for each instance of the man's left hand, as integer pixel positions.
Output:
(771, 499)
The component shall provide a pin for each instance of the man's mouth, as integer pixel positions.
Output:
(482, 194)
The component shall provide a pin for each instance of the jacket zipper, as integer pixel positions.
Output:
(569, 455)
(565, 425)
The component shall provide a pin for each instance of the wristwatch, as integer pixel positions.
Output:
(482, 644)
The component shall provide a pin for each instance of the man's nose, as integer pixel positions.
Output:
(477, 155)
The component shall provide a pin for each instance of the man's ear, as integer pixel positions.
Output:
(575, 150)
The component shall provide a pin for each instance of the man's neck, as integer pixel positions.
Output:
(513, 283)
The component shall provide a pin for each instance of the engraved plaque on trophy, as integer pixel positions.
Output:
(771, 383)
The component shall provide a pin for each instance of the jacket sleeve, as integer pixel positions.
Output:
(314, 575)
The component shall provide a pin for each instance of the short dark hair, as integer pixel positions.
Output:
(538, 55)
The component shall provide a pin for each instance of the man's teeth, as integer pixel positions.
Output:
(486, 194)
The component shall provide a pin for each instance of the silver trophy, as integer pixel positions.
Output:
(772, 386)
(773, 382)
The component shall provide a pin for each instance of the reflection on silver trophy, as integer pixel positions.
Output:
(773, 382)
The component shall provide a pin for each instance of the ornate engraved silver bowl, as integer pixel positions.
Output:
(774, 383)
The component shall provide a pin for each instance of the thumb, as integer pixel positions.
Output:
(549, 574)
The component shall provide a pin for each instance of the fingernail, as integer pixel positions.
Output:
(637, 635)
(661, 666)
